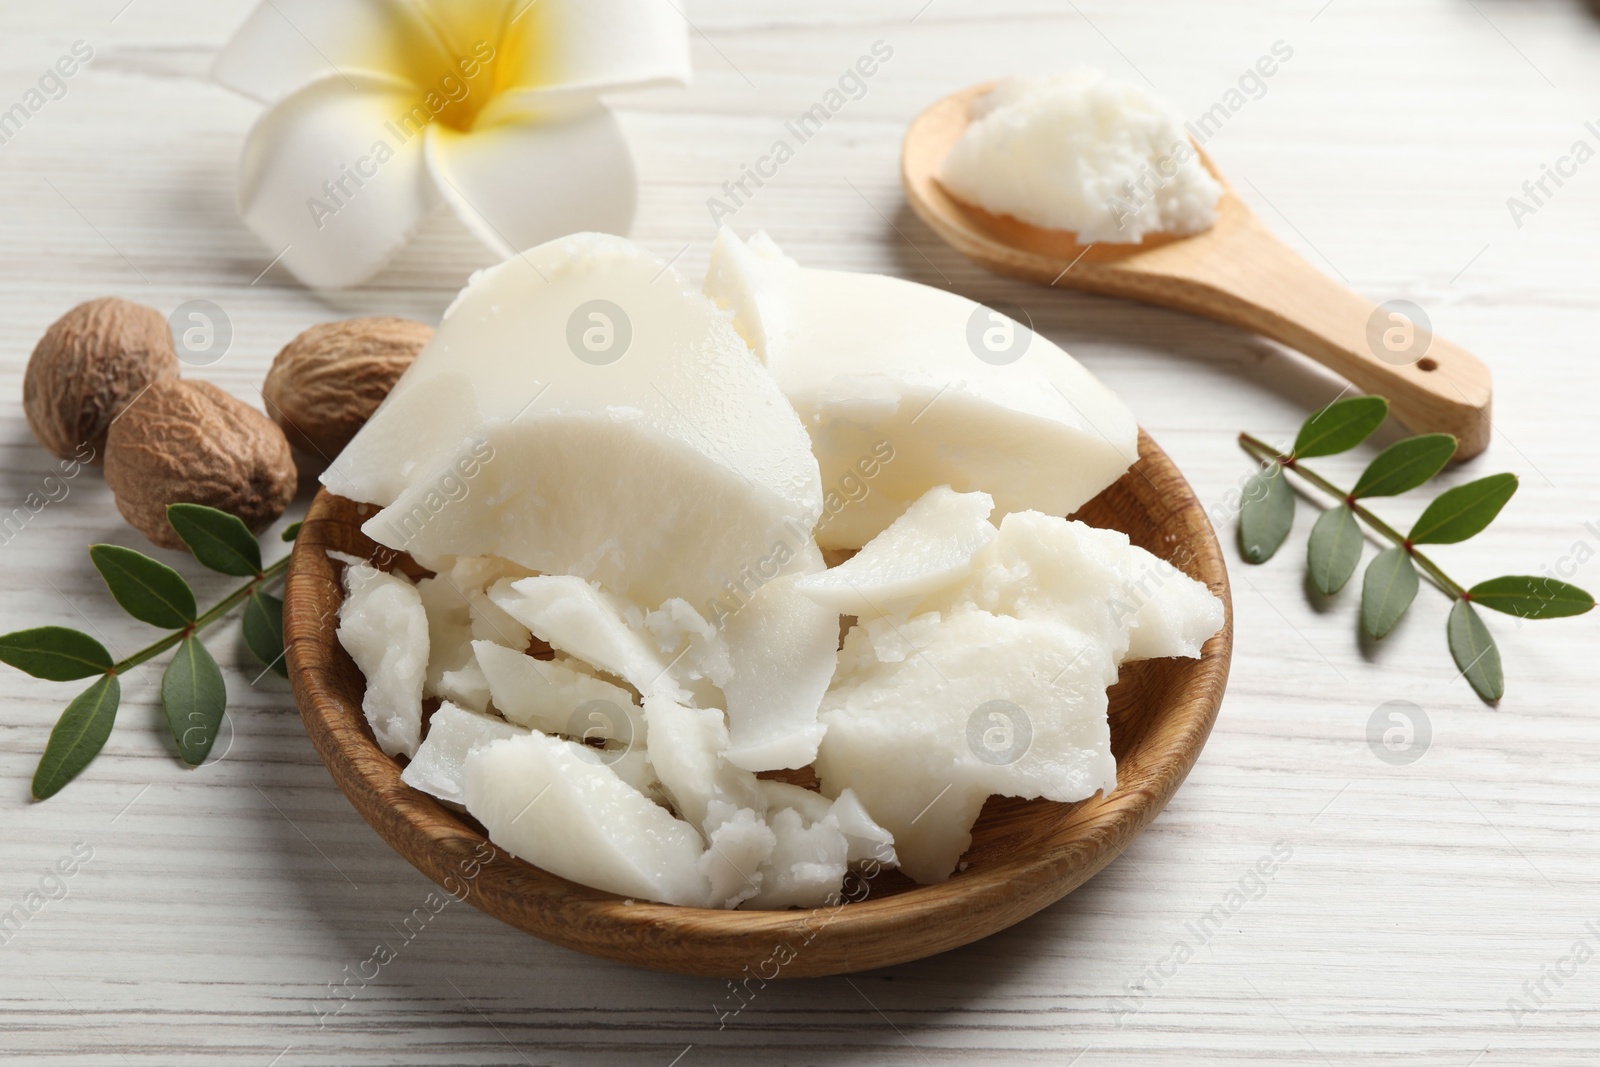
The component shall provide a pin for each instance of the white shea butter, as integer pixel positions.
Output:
(1040, 566)
(650, 518)
(808, 862)
(739, 847)
(995, 683)
(452, 674)
(1051, 677)
(439, 767)
(1096, 157)
(548, 695)
(557, 805)
(928, 547)
(783, 648)
(383, 626)
(688, 749)
(581, 411)
(586, 622)
(901, 390)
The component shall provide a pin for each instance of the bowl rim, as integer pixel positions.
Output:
(853, 936)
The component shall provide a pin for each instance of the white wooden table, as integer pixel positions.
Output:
(220, 904)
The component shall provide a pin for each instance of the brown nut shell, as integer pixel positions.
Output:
(90, 365)
(326, 383)
(188, 442)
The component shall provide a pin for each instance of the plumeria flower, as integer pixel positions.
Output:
(379, 110)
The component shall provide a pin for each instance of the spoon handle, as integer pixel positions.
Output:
(1264, 286)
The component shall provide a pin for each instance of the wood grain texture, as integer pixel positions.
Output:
(223, 903)
(1236, 272)
(1025, 855)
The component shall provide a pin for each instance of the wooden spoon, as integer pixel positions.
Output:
(1237, 272)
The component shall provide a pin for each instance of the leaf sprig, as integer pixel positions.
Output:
(193, 692)
(1391, 580)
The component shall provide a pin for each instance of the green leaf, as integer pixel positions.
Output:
(55, 653)
(1266, 514)
(1340, 426)
(1474, 651)
(194, 696)
(292, 532)
(1461, 512)
(1405, 465)
(218, 540)
(1334, 550)
(1387, 590)
(149, 591)
(263, 631)
(1531, 597)
(79, 736)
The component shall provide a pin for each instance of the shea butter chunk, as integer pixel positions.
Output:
(452, 673)
(1040, 566)
(1040, 683)
(807, 865)
(383, 626)
(951, 392)
(548, 695)
(576, 617)
(928, 816)
(687, 748)
(783, 648)
(581, 411)
(557, 805)
(927, 548)
(978, 702)
(739, 847)
(439, 766)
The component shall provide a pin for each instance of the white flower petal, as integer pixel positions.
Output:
(554, 45)
(593, 45)
(334, 176)
(286, 44)
(521, 183)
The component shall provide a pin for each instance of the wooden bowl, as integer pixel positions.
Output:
(1025, 854)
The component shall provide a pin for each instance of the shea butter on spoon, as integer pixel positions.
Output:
(1084, 153)
(1081, 183)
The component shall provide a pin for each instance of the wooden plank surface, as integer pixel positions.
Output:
(1417, 901)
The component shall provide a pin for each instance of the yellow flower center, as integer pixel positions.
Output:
(461, 53)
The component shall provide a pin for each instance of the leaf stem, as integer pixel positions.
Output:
(222, 608)
(1266, 453)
